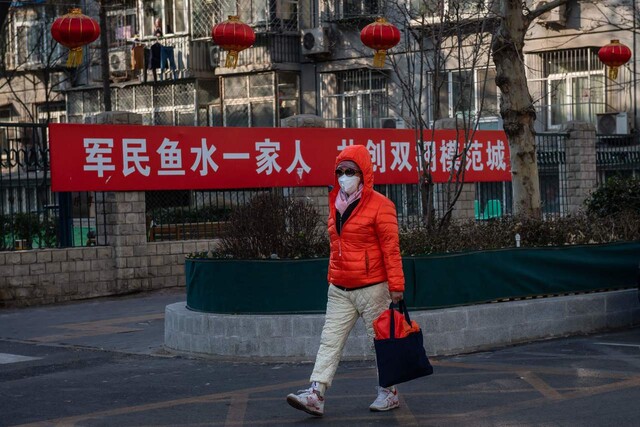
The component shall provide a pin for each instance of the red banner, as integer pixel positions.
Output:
(126, 158)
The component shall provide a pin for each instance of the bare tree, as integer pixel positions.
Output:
(516, 104)
(439, 40)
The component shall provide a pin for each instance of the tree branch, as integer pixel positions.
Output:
(543, 7)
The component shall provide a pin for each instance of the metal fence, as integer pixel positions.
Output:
(31, 215)
(617, 155)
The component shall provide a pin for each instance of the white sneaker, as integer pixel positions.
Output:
(387, 399)
(308, 400)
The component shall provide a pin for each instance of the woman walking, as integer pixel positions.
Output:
(365, 273)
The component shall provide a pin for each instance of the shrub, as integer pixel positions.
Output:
(49, 236)
(618, 194)
(178, 215)
(500, 233)
(272, 226)
(26, 226)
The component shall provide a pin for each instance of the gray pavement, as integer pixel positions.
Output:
(101, 363)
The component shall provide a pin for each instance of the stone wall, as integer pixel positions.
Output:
(580, 154)
(446, 331)
(57, 275)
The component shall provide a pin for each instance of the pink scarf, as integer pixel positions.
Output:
(344, 200)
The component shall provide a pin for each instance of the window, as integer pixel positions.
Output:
(55, 111)
(168, 16)
(29, 50)
(470, 94)
(288, 94)
(574, 96)
(449, 9)
(31, 42)
(122, 24)
(250, 101)
(355, 99)
(8, 113)
(567, 85)
(354, 8)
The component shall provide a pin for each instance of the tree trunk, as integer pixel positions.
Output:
(516, 107)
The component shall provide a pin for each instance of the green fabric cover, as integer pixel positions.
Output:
(300, 286)
(473, 277)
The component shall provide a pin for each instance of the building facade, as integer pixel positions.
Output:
(308, 59)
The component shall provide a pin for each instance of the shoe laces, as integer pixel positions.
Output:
(384, 393)
(310, 391)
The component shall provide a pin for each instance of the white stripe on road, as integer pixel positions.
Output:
(618, 344)
(15, 358)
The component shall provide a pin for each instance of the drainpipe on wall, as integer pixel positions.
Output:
(635, 62)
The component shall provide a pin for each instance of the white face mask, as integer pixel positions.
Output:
(349, 184)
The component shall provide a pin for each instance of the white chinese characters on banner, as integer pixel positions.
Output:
(132, 153)
(378, 155)
(496, 154)
(204, 161)
(429, 152)
(474, 157)
(298, 161)
(170, 158)
(400, 152)
(267, 159)
(96, 160)
(140, 156)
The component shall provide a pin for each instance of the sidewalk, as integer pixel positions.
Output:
(131, 324)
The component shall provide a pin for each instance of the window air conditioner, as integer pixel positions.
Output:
(118, 63)
(614, 123)
(315, 41)
(555, 16)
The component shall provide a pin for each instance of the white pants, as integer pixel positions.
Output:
(343, 310)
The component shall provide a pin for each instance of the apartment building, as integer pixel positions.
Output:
(308, 59)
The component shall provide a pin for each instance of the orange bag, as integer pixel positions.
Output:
(402, 328)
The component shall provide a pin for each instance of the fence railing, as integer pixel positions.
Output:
(31, 215)
(617, 155)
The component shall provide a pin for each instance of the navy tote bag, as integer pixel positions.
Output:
(401, 359)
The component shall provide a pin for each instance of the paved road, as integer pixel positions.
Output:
(101, 363)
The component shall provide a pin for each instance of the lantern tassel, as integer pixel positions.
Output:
(613, 73)
(378, 58)
(75, 57)
(232, 59)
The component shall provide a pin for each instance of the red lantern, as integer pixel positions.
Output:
(380, 36)
(73, 31)
(233, 36)
(614, 55)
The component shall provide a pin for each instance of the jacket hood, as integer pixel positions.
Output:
(360, 155)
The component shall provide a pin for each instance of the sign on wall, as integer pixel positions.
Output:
(128, 158)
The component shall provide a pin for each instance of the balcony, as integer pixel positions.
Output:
(120, 64)
(268, 49)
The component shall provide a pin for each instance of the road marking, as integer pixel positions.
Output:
(15, 358)
(618, 344)
(99, 327)
(237, 410)
(540, 385)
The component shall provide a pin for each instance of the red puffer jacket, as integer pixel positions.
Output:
(367, 250)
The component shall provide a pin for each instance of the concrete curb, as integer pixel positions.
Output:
(446, 331)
